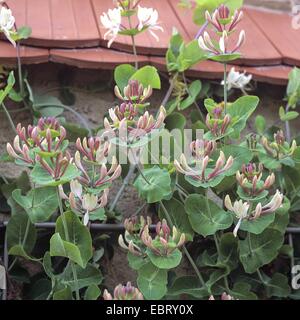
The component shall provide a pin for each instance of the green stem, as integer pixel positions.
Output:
(225, 87)
(20, 74)
(136, 64)
(9, 118)
(65, 226)
(193, 264)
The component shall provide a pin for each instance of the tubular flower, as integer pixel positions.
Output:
(112, 22)
(206, 44)
(241, 209)
(221, 19)
(200, 171)
(93, 149)
(217, 122)
(127, 292)
(202, 148)
(237, 80)
(279, 148)
(84, 203)
(131, 128)
(163, 244)
(134, 225)
(46, 137)
(134, 92)
(148, 20)
(250, 180)
(102, 177)
(58, 166)
(7, 23)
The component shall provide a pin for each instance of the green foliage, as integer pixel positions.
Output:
(71, 240)
(152, 282)
(293, 88)
(39, 203)
(205, 216)
(154, 184)
(147, 76)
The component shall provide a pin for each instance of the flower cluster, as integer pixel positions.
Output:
(200, 169)
(7, 23)
(112, 20)
(33, 142)
(137, 238)
(130, 126)
(250, 179)
(121, 292)
(224, 25)
(217, 122)
(163, 244)
(134, 93)
(241, 209)
(89, 192)
(279, 148)
(202, 148)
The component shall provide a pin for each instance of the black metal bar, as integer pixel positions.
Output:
(104, 227)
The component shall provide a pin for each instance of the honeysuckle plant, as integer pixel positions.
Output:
(221, 206)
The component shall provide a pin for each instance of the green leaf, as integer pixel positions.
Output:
(240, 111)
(260, 124)
(122, 75)
(92, 292)
(282, 217)
(39, 290)
(224, 58)
(147, 76)
(10, 83)
(175, 121)
(228, 251)
(41, 177)
(21, 235)
(157, 187)
(24, 32)
(257, 226)
(205, 216)
(162, 262)
(187, 285)
(179, 217)
(289, 116)
(86, 277)
(242, 291)
(63, 294)
(39, 203)
(136, 262)
(278, 286)
(47, 106)
(259, 250)
(240, 156)
(78, 246)
(193, 90)
(152, 282)
(293, 88)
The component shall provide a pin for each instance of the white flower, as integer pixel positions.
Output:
(240, 209)
(7, 22)
(237, 80)
(148, 19)
(111, 21)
